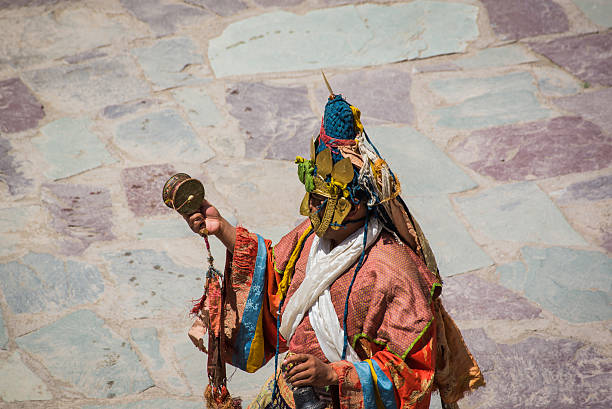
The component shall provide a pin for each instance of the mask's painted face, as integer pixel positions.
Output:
(328, 184)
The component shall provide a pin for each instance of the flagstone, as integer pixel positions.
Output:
(18, 383)
(42, 282)
(149, 283)
(81, 214)
(10, 174)
(555, 82)
(469, 297)
(598, 188)
(486, 102)
(199, 107)
(575, 285)
(80, 350)
(540, 373)
(69, 147)
(151, 404)
(143, 186)
(174, 228)
(455, 250)
(380, 94)
(542, 149)
(281, 41)
(13, 221)
(147, 341)
(163, 16)
(84, 56)
(594, 106)
(588, 57)
(518, 212)
(117, 111)
(163, 63)
(599, 11)
(19, 108)
(278, 121)
(162, 136)
(223, 8)
(420, 165)
(512, 54)
(50, 35)
(280, 3)
(512, 20)
(91, 85)
(4, 339)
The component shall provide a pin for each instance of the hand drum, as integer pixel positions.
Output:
(183, 194)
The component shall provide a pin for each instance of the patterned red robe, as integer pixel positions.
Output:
(390, 318)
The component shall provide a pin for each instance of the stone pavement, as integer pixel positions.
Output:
(496, 114)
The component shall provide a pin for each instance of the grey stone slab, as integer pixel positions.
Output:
(575, 285)
(47, 35)
(599, 188)
(164, 62)
(88, 86)
(198, 105)
(164, 229)
(490, 101)
(280, 41)
(160, 137)
(380, 94)
(223, 8)
(13, 222)
(69, 147)
(541, 149)
(18, 383)
(80, 350)
(278, 121)
(19, 108)
(9, 4)
(600, 11)
(512, 20)
(595, 106)
(149, 283)
(469, 297)
(164, 17)
(147, 342)
(518, 212)
(540, 373)
(10, 172)
(117, 111)
(512, 54)
(588, 57)
(455, 250)
(422, 168)
(41, 282)
(143, 186)
(84, 56)
(4, 339)
(81, 214)
(162, 403)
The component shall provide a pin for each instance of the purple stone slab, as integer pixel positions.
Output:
(279, 3)
(9, 170)
(468, 297)
(143, 188)
(540, 373)
(588, 57)
(593, 189)
(278, 121)
(554, 147)
(19, 108)
(223, 8)
(82, 214)
(7, 4)
(516, 19)
(162, 16)
(382, 94)
(596, 106)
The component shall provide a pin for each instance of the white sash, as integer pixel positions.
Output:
(323, 268)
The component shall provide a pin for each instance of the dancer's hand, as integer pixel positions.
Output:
(308, 370)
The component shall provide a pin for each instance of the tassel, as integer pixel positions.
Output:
(220, 399)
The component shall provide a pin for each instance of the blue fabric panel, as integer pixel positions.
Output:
(252, 308)
(367, 384)
(385, 387)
